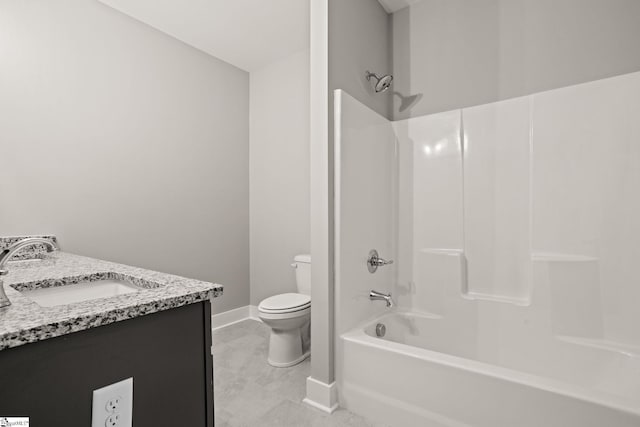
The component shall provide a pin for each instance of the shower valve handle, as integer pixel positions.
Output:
(380, 262)
(374, 261)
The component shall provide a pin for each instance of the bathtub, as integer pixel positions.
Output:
(423, 373)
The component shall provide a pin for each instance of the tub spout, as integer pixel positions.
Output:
(375, 295)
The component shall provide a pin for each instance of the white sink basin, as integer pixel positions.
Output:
(84, 291)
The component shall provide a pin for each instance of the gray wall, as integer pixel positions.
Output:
(458, 53)
(359, 40)
(126, 143)
(279, 170)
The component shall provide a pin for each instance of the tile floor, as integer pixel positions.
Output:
(249, 392)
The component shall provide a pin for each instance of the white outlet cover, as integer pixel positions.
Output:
(122, 392)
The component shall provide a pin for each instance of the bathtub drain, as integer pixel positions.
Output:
(380, 330)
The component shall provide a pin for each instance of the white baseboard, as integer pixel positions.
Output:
(253, 313)
(230, 317)
(236, 315)
(321, 395)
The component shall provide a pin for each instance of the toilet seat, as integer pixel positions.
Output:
(289, 315)
(285, 303)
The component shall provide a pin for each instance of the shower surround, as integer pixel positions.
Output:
(514, 227)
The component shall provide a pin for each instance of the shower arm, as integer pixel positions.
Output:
(370, 74)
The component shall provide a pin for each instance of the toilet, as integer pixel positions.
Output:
(288, 315)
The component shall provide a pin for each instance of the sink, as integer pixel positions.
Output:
(77, 289)
(69, 294)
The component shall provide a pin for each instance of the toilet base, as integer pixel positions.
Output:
(286, 346)
(289, 342)
(288, 364)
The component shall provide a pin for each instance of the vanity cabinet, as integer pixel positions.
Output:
(168, 354)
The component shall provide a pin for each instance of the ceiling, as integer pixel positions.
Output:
(392, 6)
(246, 33)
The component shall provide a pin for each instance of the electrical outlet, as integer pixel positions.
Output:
(112, 420)
(113, 405)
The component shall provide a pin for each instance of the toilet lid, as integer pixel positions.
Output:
(285, 302)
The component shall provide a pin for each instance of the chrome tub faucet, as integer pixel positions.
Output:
(6, 255)
(375, 295)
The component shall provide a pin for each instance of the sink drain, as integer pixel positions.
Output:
(380, 330)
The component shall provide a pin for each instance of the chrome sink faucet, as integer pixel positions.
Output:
(6, 255)
(375, 295)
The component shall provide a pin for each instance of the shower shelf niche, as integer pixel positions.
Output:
(473, 296)
(560, 257)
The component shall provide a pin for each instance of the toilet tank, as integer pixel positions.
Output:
(302, 264)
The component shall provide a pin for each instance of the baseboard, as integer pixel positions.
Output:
(230, 317)
(236, 315)
(253, 313)
(321, 396)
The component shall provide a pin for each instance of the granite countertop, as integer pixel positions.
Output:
(24, 321)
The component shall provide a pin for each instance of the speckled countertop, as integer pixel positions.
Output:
(25, 321)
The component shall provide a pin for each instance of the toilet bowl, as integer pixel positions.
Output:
(288, 315)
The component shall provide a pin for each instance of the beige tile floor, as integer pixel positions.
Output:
(249, 392)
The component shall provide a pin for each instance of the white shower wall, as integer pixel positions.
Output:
(513, 226)
(496, 193)
(519, 220)
(430, 200)
(365, 163)
(514, 229)
(586, 202)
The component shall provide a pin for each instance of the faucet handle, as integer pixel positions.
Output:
(374, 261)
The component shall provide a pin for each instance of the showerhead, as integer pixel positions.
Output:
(382, 83)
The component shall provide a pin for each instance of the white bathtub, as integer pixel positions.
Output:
(422, 374)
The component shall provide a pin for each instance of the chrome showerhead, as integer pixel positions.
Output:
(382, 83)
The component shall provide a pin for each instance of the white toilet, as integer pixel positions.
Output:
(288, 315)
